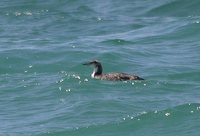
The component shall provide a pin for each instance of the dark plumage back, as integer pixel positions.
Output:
(118, 77)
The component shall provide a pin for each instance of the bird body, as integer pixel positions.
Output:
(98, 69)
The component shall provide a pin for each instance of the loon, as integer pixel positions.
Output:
(97, 73)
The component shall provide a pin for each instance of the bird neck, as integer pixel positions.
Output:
(97, 70)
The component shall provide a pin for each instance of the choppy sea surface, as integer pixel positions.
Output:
(46, 91)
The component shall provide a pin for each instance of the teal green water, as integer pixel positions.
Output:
(46, 91)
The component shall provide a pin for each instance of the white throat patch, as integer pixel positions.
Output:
(93, 74)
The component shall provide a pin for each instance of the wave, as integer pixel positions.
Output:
(117, 42)
(172, 121)
(176, 8)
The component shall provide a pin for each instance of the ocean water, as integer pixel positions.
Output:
(46, 91)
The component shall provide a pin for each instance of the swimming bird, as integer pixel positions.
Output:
(98, 69)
